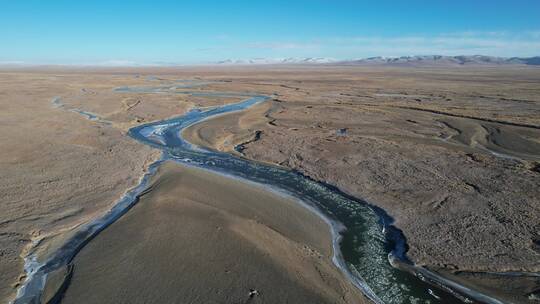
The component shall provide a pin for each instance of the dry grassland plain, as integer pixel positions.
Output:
(453, 154)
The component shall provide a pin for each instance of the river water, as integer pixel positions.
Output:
(366, 245)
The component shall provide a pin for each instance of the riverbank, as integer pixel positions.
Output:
(197, 236)
(225, 132)
(459, 176)
(58, 169)
(68, 159)
(428, 146)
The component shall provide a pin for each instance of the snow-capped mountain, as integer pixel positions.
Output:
(438, 60)
(424, 60)
(290, 60)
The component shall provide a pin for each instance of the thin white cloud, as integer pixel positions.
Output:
(534, 34)
(117, 63)
(12, 62)
(494, 43)
(491, 43)
(282, 45)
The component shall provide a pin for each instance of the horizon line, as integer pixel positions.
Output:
(232, 62)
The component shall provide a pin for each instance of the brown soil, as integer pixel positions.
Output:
(60, 169)
(197, 237)
(452, 154)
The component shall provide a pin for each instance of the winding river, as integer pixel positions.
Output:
(367, 248)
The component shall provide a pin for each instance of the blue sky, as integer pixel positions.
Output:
(150, 32)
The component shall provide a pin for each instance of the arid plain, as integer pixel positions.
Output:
(452, 154)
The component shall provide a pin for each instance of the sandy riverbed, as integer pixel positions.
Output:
(199, 237)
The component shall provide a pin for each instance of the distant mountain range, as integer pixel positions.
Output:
(428, 60)
(437, 60)
(412, 61)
